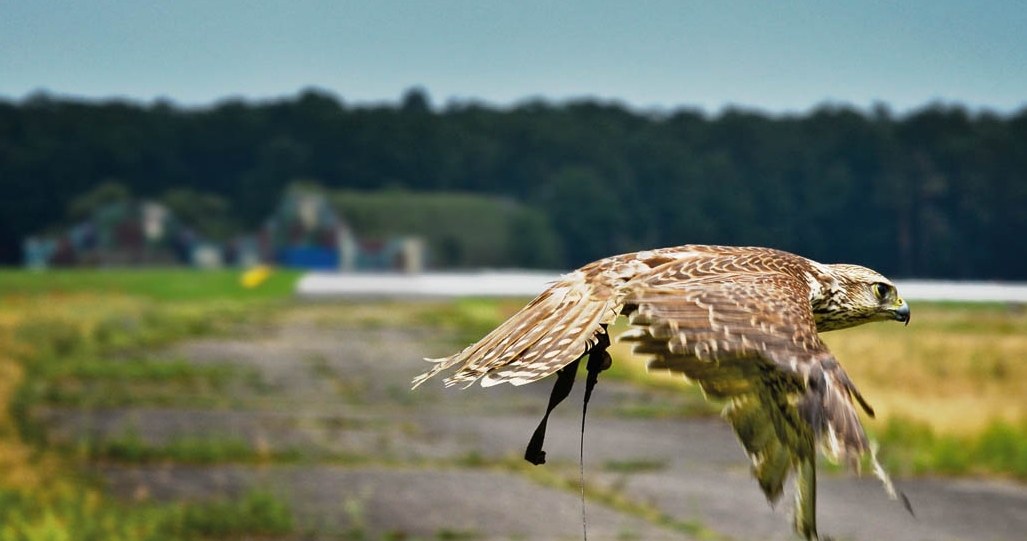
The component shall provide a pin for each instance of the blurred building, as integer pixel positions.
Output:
(121, 233)
(305, 231)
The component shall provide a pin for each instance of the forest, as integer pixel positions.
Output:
(939, 192)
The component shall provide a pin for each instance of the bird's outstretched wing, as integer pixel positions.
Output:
(751, 338)
(553, 330)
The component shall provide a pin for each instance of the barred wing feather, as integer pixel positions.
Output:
(557, 327)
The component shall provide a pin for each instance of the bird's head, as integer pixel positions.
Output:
(852, 295)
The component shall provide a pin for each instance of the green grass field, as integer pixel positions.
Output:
(170, 284)
(63, 336)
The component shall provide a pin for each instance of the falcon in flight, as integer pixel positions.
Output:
(741, 322)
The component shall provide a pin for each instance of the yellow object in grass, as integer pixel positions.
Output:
(255, 276)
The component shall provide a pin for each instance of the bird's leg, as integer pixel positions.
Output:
(806, 498)
(562, 388)
(598, 358)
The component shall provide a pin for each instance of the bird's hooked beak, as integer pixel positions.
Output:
(902, 313)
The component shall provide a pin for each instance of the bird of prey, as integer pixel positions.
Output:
(741, 322)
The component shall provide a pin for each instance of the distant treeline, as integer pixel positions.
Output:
(939, 192)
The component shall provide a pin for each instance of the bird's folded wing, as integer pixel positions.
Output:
(764, 318)
(751, 338)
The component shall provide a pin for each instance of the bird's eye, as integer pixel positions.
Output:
(881, 291)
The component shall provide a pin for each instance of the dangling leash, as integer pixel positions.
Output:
(598, 360)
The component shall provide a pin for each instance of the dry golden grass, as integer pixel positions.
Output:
(21, 466)
(41, 494)
(17, 470)
(956, 368)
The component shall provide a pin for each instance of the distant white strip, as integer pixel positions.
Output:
(937, 290)
(529, 284)
(455, 284)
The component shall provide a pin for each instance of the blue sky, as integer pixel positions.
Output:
(779, 57)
